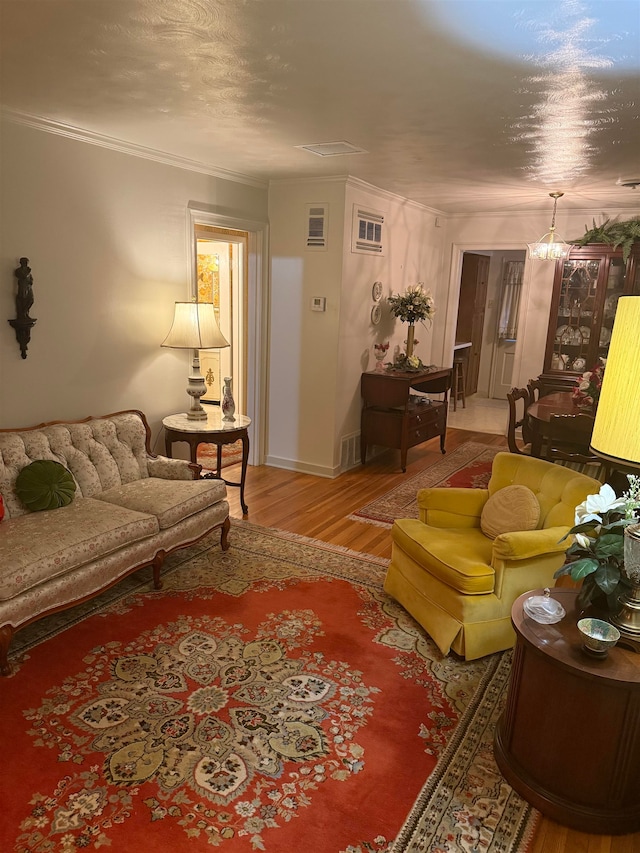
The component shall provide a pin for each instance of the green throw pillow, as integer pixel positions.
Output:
(45, 484)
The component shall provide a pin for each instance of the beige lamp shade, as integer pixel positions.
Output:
(195, 327)
(616, 431)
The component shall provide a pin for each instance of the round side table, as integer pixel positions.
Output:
(569, 738)
(216, 431)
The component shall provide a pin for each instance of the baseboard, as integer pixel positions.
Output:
(303, 467)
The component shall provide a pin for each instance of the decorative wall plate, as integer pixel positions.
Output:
(376, 291)
(376, 314)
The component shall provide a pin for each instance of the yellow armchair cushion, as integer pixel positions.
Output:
(512, 508)
(451, 507)
(523, 545)
(460, 559)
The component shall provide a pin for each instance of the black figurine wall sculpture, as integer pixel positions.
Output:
(24, 300)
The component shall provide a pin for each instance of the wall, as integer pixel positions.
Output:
(303, 352)
(106, 236)
(412, 254)
(316, 359)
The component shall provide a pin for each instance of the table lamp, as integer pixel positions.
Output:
(616, 438)
(195, 327)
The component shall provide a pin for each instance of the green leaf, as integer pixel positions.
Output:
(607, 577)
(609, 545)
(563, 570)
(581, 568)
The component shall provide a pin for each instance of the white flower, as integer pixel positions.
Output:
(582, 540)
(592, 508)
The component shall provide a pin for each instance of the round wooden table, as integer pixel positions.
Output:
(216, 431)
(539, 413)
(569, 738)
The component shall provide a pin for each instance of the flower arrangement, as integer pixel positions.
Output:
(414, 305)
(596, 556)
(587, 390)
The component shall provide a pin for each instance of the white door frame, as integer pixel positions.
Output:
(257, 313)
(453, 296)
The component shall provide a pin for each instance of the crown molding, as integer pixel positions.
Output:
(358, 184)
(92, 138)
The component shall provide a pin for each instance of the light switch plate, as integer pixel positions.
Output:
(319, 303)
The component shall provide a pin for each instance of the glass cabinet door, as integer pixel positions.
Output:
(577, 310)
(613, 291)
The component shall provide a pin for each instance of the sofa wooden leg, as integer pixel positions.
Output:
(6, 634)
(224, 540)
(158, 561)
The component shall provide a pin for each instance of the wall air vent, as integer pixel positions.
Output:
(366, 232)
(316, 223)
(332, 149)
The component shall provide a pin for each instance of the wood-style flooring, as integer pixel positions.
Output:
(319, 508)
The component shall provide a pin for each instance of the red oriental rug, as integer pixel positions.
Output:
(268, 698)
(468, 466)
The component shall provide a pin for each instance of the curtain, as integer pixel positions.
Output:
(510, 300)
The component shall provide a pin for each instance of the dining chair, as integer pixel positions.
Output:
(519, 400)
(568, 438)
(536, 389)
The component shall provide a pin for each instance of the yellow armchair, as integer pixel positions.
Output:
(458, 583)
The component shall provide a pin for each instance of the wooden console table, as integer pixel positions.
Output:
(393, 417)
(569, 738)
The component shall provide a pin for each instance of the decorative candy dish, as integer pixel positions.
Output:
(544, 609)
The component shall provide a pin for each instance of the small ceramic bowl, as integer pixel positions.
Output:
(598, 636)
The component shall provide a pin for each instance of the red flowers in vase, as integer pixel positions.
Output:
(587, 390)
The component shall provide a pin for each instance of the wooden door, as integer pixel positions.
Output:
(471, 308)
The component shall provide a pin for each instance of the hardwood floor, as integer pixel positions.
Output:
(318, 508)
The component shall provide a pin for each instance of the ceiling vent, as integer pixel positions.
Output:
(332, 149)
(317, 217)
(632, 183)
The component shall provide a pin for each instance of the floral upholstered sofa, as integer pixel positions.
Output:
(129, 509)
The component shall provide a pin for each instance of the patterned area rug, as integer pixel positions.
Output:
(206, 455)
(468, 466)
(268, 698)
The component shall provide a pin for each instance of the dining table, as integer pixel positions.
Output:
(539, 413)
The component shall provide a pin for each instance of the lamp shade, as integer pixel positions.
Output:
(195, 327)
(616, 431)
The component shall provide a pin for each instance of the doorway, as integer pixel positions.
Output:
(247, 326)
(488, 310)
(221, 274)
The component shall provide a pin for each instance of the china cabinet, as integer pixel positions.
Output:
(586, 290)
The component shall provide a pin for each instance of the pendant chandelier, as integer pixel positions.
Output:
(549, 247)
